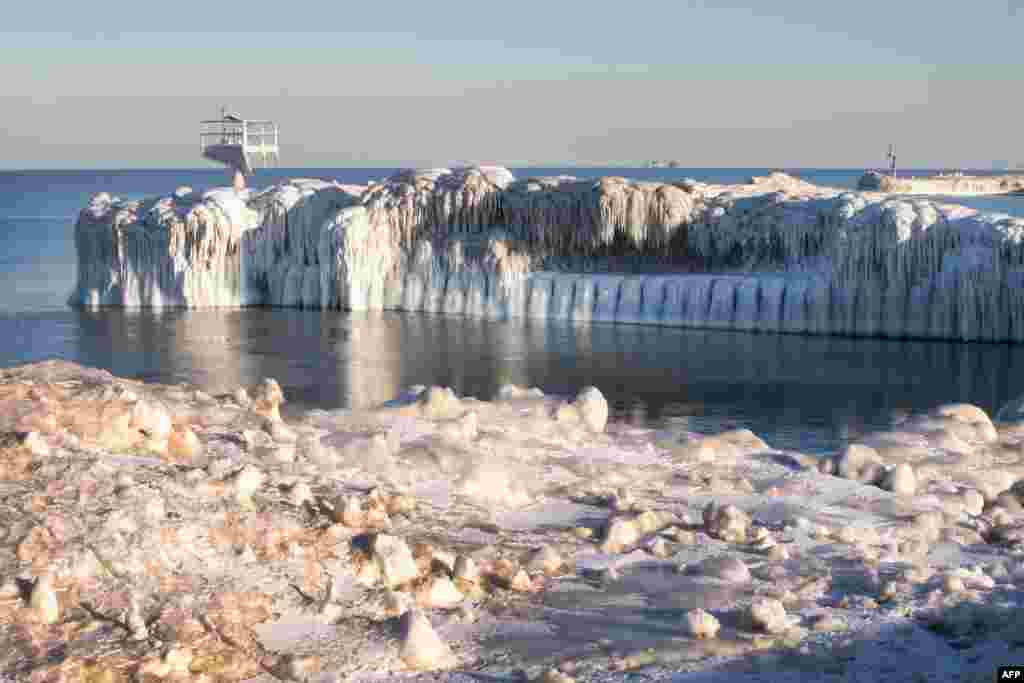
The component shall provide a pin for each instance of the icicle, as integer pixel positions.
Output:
(470, 240)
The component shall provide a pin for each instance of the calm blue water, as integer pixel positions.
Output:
(799, 392)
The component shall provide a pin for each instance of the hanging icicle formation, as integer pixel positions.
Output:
(281, 253)
(777, 253)
(181, 250)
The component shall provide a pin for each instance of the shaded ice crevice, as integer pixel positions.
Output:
(774, 255)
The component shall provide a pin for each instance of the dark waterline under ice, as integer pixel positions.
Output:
(800, 392)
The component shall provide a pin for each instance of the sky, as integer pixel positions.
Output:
(783, 83)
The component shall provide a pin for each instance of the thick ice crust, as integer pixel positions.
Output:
(776, 254)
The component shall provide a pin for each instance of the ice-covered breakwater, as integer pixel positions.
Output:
(776, 254)
(943, 184)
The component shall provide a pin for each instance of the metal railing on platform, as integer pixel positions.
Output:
(259, 137)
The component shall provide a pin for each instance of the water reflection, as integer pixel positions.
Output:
(166, 346)
(811, 393)
(368, 357)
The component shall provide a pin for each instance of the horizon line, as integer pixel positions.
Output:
(546, 165)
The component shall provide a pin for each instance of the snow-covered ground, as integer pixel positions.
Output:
(160, 533)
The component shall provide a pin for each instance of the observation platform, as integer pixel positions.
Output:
(239, 144)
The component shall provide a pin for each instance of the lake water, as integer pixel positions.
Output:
(807, 393)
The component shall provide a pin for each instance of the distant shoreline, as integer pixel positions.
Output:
(922, 172)
(955, 184)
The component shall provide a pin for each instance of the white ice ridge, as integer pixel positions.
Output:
(776, 254)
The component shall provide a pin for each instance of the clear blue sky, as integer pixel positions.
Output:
(731, 83)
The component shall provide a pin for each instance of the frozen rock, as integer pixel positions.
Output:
(399, 504)
(422, 649)
(242, 397)
(622, 500)
(622, 533)
(680, 535)
(256, 439)
(350, 512)
(397, 603)
(44, 600)
(394, 559)
(512, 577)
(725, 568)
(300, 493)
(174, 662)
(953, 583)
(872, 473)
(423, 556)
(247, 556)
(245, 483)
(29, 443)
(514, 392)
(495, 481)
(719, 449)
(299, 667)
(152, 419)
(510, 392)
(745, 439)
(999, 572)
(545, 559)
(280, 432)
(768, 615)
(855, 535)
(659, 548)
(440, 403)
(445, 559)
(466, 569)
(555, 676)
(461, 429)
(440, 592)
(183, 444)
(520, 582)
(1006, 506)
(1016, 491)
(962, 412)
(649, 521)
(135, 620)
(827, 622)
(979, 582)
(901, 480)
(859, 462)
(466, 615)
(974, 502)
(726, 522)
(376, 516)
(267, 398)
(761, 539)
(701, 624)
(593, 408)
(981, 427)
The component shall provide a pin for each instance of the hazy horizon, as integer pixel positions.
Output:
(549, 165)
(727, 84)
